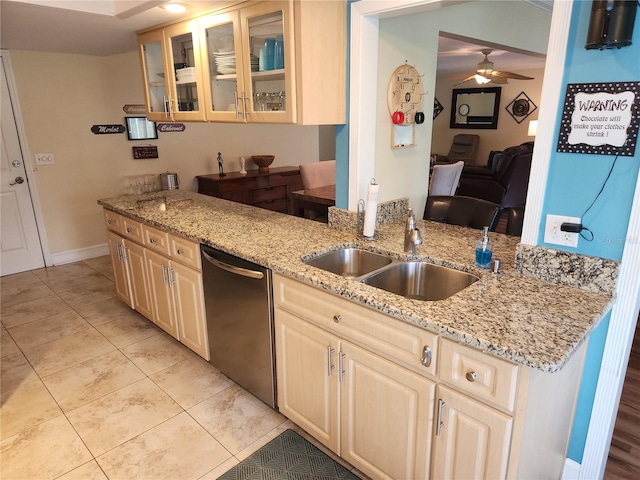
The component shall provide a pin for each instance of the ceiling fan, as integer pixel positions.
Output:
(485, 72)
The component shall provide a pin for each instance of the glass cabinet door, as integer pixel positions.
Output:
(152, 60)
(222, 63)
(268, 93)
(183, 63)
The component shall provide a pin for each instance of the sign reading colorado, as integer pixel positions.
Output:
(601, 118)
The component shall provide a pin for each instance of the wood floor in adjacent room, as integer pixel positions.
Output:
(624, 455)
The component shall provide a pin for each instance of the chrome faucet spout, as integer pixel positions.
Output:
(412, 236)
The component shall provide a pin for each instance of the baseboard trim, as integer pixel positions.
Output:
(79, 254)
(571, 470)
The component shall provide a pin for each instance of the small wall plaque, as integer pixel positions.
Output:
(135, 109)
(108, 129)
(171, 127)
(145, 151)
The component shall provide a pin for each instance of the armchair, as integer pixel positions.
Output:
(506, 183)
(464, 147)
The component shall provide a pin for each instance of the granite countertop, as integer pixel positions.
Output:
(529, 321)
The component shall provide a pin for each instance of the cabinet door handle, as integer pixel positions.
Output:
(244, 105)
(337, 318)
(330, 366)
(236, 98)
(341, 365)
(164, 275)
(170, 278)
(118, 253)
(426, 356)
(471, 376)
(439, 421)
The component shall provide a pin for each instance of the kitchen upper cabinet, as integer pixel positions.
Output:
(303, 83)
(170, 59)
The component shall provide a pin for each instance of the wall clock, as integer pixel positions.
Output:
(404, 95)
(463, 109)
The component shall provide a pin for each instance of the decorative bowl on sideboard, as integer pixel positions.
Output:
(263, 162)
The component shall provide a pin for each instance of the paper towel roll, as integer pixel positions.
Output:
(371, 210)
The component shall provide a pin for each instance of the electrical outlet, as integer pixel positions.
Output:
(44, 159)
(553, 234)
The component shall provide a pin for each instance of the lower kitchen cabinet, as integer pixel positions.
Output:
(472, 439)
(159, 275)
(373, 413)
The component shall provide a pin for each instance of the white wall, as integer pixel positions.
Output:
(508, 133)
(414, 39)
(62, 95)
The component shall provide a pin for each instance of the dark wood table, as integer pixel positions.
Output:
(316, 199)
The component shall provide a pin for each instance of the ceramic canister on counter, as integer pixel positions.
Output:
(169, 181)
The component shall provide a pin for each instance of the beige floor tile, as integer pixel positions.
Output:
(157, 353)
(102, 265)
(48, 329)
(67, 351)
(26, 406)
(113, 419)
(89, 294)
(44, 451)
(220, 469)
(7, 345)
(25, 287)
(128, 329)
(88, 471)
(62, 273)
(90, 380)
(176, 449)
(15, 371)
(106, 311)
(236, 418)
(15, 315)
(93, 280)
(191, 381)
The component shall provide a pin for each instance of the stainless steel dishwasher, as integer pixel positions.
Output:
(239, 305)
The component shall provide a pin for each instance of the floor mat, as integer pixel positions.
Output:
(288, 457)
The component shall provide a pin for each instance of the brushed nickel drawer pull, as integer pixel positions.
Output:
(129, 229)
(109, 222)
(337, 318)
(330, 367)
(471, 376)
(180, 251)
(152, 240)
(439, 421)
(426, 356)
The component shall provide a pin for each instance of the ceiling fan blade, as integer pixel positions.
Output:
(470, 77)
(515, 76)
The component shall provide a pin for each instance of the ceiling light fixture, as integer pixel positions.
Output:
(480, 79)
(175, 7)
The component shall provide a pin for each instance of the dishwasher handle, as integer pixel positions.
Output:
(233, 269)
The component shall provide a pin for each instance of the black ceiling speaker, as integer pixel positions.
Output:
(611, 24)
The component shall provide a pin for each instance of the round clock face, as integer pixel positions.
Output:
(404, 93)
(463, 109)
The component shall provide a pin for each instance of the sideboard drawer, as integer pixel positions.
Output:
(478, 374)
(269, 193)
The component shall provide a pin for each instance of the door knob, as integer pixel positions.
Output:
(17, 180)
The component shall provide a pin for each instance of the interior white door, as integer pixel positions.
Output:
(19, 240)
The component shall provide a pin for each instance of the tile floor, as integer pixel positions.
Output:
(91, 389)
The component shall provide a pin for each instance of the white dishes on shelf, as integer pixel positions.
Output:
(185, 75)
(226, 62)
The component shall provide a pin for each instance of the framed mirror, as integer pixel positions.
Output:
(475, 108)
(139, 128)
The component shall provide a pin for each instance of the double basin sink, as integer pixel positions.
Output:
(415, 280)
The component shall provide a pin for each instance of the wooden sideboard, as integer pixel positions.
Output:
(270, 190)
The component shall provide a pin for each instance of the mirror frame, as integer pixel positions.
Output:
(133, 126)
(490, 123)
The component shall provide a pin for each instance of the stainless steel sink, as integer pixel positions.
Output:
(350, 262)
(420, 280)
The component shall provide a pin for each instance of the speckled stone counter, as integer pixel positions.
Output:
(524, 319)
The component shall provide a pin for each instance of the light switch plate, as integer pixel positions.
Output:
(44, 159)
(553, 234)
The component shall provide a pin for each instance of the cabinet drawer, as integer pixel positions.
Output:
(132, 230)
(389, 337)
(243, 196)
(269, 193)
(114, 221)
(156, 239)
(294, 179)
(248, 183)
(278, 205)
(185, 251)
(478, 374)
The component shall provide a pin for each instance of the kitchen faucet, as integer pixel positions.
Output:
(412, 236)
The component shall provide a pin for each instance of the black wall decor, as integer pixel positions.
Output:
(600, 118)
(437, 108)
(521, 107)
(611, 24)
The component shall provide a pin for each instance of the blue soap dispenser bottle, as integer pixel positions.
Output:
(484, 250)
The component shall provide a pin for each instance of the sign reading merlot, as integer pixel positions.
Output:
(171, 127)
(600, 118)
(107, 129)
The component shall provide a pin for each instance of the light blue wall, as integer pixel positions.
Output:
(575, 179)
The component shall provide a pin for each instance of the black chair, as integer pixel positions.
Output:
(515, 219)
(464, 211)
